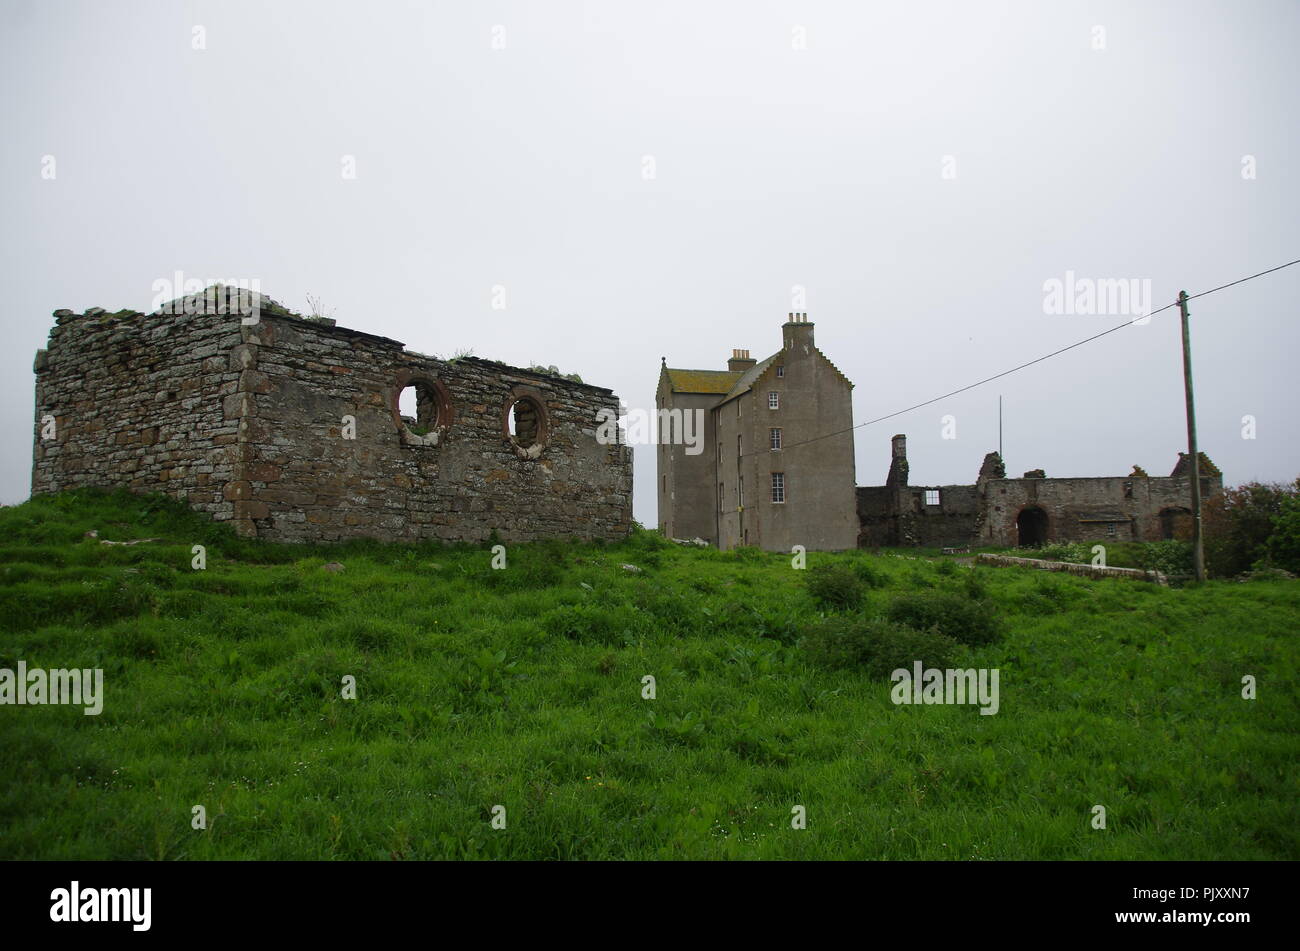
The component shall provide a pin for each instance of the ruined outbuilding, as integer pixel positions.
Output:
(290, 428)
(1031, 510)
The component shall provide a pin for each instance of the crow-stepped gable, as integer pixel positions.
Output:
(777, 465)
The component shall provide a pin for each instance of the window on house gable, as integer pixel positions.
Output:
(774, 439)
(778, 486)
(774, 400)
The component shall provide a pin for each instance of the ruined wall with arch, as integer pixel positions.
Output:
(1115, 508)
(1032, 510)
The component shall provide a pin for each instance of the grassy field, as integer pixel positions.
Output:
(523, 688)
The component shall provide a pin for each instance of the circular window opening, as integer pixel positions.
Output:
(526, 426)
(423, 412)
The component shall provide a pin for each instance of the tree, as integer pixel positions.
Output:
(1237, 525)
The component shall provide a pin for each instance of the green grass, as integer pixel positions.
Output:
(523, 688)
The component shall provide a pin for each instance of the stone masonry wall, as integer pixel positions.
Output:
(1078, 509)
(897, 515)
(877, 516)
(305, 481)
(950, 523)
(1136, 507)
(248, 424)
(137, 402)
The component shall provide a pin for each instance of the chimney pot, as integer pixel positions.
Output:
(740, 360)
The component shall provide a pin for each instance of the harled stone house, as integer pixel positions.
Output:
(776, 468)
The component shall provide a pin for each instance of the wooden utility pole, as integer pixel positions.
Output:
(1198, 547)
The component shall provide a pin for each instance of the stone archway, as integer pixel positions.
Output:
(1175, 522)
(1031, 527)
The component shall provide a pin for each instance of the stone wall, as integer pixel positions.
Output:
(137, 402)
(877, 516)
(997, 511)
(1082, 571)
(950, 523)
(897, 515)
(290, 428)
(1084, 509)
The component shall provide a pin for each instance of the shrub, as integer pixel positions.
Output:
(591, 623)
(538, 569)
(679, 613)
(645, 539)
(1266, 573)
(919, 578)
(1079, 553)
(876, 646)
(870, 575)
(835, 586)
(1283, 548)
(649, 559)
(1237, 525)
(976, 584)
(1171, 557)
(961, 618)
(1049, 594)
(781, 626)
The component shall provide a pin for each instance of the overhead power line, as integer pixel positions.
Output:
(1048, 356)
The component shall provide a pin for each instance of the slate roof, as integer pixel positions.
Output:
(748, 377)
(702, 381)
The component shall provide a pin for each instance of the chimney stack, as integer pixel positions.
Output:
(898, 464)
(797, 332)
(740, 360)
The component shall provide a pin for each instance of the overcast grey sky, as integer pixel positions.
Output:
(921, 169)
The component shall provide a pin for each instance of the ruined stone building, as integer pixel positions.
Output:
(776, 466)
(777, 470)
(290, 428)
(1031, 510)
